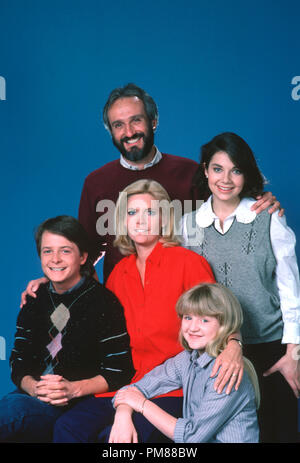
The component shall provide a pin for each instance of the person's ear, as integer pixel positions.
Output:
(83, 258)
(154, 124)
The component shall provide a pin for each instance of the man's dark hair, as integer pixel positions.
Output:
(130, 90)
(68, 227)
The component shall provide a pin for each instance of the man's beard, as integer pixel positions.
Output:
(136, 154)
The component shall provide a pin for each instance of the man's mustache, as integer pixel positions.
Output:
(136, 135)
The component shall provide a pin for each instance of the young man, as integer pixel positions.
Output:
(71, 340)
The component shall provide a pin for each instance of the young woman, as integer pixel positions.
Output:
(148, 283)
(209, 314)
(254, 256)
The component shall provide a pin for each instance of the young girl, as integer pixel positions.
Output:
(254, 256)
(209, 314)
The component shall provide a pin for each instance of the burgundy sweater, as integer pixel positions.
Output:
(174, 173)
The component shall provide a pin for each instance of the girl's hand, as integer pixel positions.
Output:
(231, 365)
(289, 367)
(123, 430)
(131, 397)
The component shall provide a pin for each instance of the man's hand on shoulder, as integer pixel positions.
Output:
(266, 200)
(31, 289)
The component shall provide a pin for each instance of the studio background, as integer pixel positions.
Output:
(211, 67)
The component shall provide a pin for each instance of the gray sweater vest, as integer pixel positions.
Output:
(243, 260)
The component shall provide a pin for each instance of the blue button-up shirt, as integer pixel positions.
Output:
(207, 415)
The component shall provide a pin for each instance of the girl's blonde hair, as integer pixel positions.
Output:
(215, 300)
(167, 237)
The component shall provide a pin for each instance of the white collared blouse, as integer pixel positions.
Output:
(283, 243)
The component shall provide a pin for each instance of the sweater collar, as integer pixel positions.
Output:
(205, 215)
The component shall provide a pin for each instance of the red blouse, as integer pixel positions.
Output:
(152, 322)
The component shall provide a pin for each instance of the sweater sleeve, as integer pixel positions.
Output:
(116, 364)
(113, 277)
(88, 218)
(24, 359)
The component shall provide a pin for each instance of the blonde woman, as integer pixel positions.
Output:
(209, 314)
(148, 282)
(154, 273)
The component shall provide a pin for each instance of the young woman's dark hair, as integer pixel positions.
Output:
(242, 157)
(68, 227)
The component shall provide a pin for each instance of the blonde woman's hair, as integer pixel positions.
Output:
(167, 237)
(215, 300)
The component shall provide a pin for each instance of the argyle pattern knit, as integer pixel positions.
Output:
(78, 335)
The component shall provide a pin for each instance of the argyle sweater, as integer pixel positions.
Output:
(78, 335)
(174, 173)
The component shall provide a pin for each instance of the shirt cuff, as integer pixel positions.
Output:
(179, 430)
(291, 333)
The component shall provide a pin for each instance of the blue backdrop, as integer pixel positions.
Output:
(211, 66)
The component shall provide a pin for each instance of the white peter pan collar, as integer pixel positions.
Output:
(205, 215)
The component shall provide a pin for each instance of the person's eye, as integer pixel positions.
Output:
(66, 251)
(237, 171)
(151, 212)
(46, 251)
(131, 212)
(117, 125)
(217, 169)
(204, 320)
(137, 119)
(187, 317)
